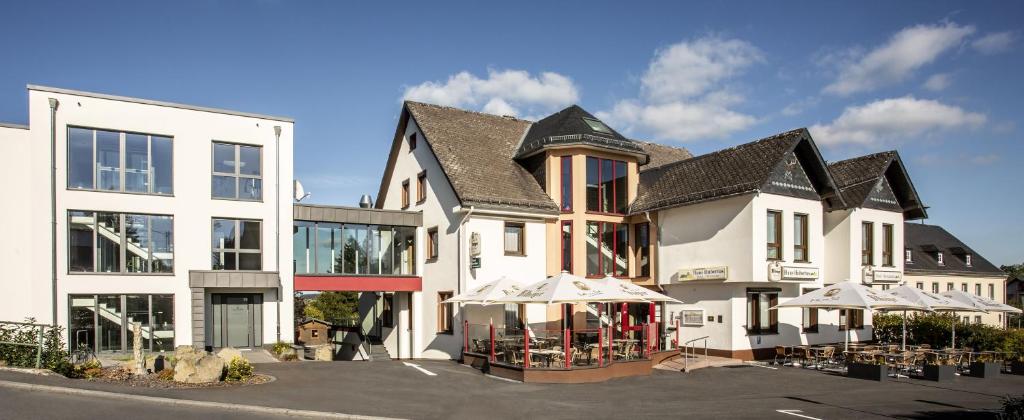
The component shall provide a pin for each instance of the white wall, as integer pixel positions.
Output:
(191, 205)
(715, 233)
(844, 237)
(26, 286)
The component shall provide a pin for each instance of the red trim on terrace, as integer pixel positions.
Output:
(358, 283)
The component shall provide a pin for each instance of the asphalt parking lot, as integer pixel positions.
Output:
(438, 389)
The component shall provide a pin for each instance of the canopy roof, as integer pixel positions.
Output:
(849, 295)
(567, 288)
(486, 294)
(931, 301)
(635, 290)
(982, 304)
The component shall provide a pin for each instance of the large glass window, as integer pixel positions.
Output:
(334, 248)
(237, 171)
(328, 248)
(606, 186)
(867, 243)
(810, 316)
(120, 243)
(566, 187)
(774, 235)
(887, 245)
(800, 238)
(851, 318)
(106, 322)
(607, 249)
(643, 249)
(119, 161)
(237, 245)
(567, 245)
(761, 320)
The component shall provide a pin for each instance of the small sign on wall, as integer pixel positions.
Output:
(703, 273)
(474, 244)
(779, 272)
(474, 263)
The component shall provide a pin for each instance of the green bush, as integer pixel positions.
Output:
(238, 369)
(280, 347)
(936, 330)
(1013, 408)
(54, 356)
(1014, 344)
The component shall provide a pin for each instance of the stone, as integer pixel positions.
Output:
(185, 351)
(140, 363)
(228, 353)
(324, 353)
(199, 370)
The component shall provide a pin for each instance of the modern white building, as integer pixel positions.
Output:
(123, 210)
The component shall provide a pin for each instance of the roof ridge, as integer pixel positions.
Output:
(468, 111)
(729, 149)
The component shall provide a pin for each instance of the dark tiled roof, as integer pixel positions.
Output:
(476, 152)
(661, 154)
(736, 170)
(568, 127)
(857, 177)
(923, 242)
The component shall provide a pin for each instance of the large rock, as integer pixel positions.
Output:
(228, 353)
(324, 352)
(199, 370)
(181, 352)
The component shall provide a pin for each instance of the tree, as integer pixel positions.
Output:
(333, 307)
(1014, 270)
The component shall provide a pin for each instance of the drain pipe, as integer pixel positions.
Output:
(277, 224)
(461, 267)
(54, 103)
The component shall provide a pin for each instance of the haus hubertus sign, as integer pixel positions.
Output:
(881, 276)
(703, 273)
(779, 272)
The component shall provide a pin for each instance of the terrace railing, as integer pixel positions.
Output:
(39, 335)
(558, 348)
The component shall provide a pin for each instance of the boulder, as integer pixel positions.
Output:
(187, 351)
(324, 353)
(198, 370)
(228, 353)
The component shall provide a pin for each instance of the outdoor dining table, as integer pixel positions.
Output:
(625, 342)
(548, 355)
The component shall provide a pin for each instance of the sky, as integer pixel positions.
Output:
(938, 81)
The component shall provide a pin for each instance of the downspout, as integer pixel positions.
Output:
(54, 103)
(461, 267)
(277, 224)
(661, 306)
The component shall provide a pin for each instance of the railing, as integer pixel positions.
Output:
(687, 350)
(558, 349)
(40, 338)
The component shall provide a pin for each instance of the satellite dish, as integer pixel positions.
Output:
(299, 193)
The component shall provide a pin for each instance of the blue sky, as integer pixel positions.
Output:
(939, 81)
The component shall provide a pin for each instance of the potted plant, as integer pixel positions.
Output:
(873, 369)
(938, 369)
(985, 367)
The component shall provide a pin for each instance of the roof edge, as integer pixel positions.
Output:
(157, 103)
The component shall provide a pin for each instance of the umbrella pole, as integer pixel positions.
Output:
(953, 345)
(904, 348)
(846, 346)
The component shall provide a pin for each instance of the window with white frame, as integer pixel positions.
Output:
(237, 171)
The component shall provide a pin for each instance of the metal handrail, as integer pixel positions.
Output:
(686, 351)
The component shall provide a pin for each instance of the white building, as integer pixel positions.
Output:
(129, 210)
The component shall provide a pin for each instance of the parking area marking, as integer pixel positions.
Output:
(794, 413)
(417, 367)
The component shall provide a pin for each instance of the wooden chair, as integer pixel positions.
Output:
(799, 353)
(784, 353)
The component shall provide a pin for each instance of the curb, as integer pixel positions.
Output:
(188, 403)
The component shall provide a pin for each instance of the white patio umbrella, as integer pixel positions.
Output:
(567, 288)
(486, 294)
(849, 295)
(932, 302)
(979, 304)
(641, 292)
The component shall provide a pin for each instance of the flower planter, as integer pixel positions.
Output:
(866, 371)
(984, 369)
(939, 373)
(1018, 367)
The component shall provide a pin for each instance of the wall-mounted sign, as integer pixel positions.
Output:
(881, 276)
(703, 273)
(474, 244)
(474, 262)
(779, 272)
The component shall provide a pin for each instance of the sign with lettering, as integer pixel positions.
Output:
(474, 244)
(779, 272)
(474, 262)
(703, 273)
(884, 276)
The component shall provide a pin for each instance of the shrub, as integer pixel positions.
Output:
(54, 355)
(290, 357)
(238, 369)
(280, 347)
(1013, 408)
(166, 375)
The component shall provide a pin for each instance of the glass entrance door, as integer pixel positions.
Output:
(237, 319)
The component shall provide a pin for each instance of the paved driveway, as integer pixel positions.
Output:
(394, 389)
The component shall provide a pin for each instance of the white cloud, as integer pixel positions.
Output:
(798, 107)
(503, 92)
(683, 93)
(894, 119)
(907, 50)
(995, 43)
(938, 82)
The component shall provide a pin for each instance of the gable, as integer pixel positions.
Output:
(790, 179)
(881, 197)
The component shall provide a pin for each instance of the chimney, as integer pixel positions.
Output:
(365, 201)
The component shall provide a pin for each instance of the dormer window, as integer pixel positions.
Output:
(967, 259)
(597, 126)
(412, 142)
(938, 256)
(909, 256)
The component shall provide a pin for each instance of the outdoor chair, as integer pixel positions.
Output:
(908, 363)
(799, 353)
(784, 353)
(826, 356)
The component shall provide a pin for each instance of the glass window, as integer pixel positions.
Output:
(608, 253)
(236, 245)
(302, 254)
(412, 142)
(643, 249)
(386, 249)
(949, 286)
(909, 258)
(137, 252)
(887, 245)
(920, 285)
(607, 249)
(405, 239)
(108, 242)
(421, 187)
(567, 245)
(444, 313)
(621, 249)
(774, 235)
(96, 242)
(82, 322)
(109, 328)
(237, 172)
(935, 287)
(593, 256)
(938, 257)
(162, 322)
(137, 310)
(963, 287)
(597, 126)
(991, 291)
(566, 168)
(761, 320)
(328, 248)
(81, 225)
(405, 194)
(119, 161)
(515, 238)
(810, 316)
(606, 186)
(106, 322)
(432, 244)
(373, 249)
(967, 259)
(355, 259)
(867, 243)
(977, 289)
(800, 238)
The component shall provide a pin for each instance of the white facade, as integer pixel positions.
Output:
(843, 238)
(27, 267)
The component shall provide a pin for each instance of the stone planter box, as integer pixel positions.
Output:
(866, 371)
(939, 373)
(1018, 368)
(984, 370)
